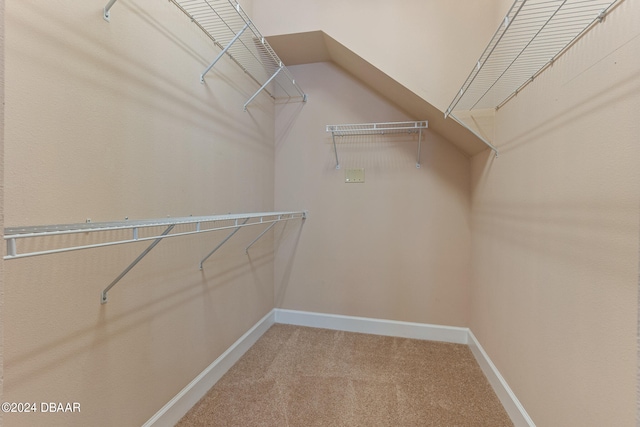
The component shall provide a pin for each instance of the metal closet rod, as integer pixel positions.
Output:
(202, 224)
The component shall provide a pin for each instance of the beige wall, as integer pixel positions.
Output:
(395, 247)
(1, 199)
(555, 217)
(555, 233)
(107, 121)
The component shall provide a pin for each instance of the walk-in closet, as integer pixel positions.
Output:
(314, 213)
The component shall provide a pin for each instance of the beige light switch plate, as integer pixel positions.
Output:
(354, 175)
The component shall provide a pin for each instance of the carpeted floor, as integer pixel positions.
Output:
(302, 377)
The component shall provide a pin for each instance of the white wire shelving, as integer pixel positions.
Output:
(231, 29)
(533, 34)
(122, 232)
(387, 128)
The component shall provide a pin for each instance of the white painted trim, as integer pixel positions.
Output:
(394, 328)
(511, 404)
(175, 409)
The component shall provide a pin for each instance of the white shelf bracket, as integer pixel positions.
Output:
(103, 296)
(232, 30)
(335, 149)
(107, 15)
(226, 48)
(263, 86)
(246, 250)
(419, 147)
(235, 230)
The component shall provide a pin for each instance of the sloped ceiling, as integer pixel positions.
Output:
(316, 46)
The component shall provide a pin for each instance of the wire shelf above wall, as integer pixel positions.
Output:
(532, 35)
(231, 29)
(102, 234)
(386, 128)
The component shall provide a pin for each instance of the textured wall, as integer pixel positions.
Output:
(555, 233)
(395, 247)
(107, 121)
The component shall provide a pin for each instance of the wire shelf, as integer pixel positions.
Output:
(533, 34)
(232, 30)
(111, 233)
(377, 128)
(200, 224)
(386, 128)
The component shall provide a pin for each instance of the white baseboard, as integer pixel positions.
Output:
(394, 328)
(508, 399)
(175, 409)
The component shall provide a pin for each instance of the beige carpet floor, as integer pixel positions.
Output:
(302, 377)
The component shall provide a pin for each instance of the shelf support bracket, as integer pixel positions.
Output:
(107, 14)
(233, 40)
(246, 250)
(103, 296)
(419, 147)
(263, 86)
(223, 242)
(335, 149)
